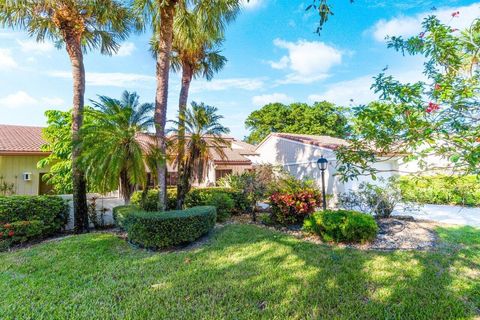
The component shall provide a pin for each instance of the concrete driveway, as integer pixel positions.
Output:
(447, 214)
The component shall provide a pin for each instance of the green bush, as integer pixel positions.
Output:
(166, 229)
(224, 204)
(342, 226)
(441, 189)
(120, 214)
(52, 211)
(151, 199)
(202, 196)
(21, 231)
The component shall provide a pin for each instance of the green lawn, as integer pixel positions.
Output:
(244, 273)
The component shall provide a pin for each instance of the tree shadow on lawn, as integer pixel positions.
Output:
(246, 272)
(264, 274)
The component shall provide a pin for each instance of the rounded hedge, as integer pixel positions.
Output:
(166, 229)
(342, 226)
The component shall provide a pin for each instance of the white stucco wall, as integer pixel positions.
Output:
(300, 160)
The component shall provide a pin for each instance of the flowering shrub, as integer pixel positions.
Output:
(292, 208)
(19, 232)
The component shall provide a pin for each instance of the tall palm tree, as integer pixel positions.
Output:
(204, 135)
(79, 25)
(116, 143)
(160, 14)
(195, 54)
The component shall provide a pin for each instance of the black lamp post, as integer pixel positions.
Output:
(322, 164)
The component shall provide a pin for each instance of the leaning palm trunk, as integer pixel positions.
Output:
(183, 176)
(79, 184)
(126, 188)
(167, 14)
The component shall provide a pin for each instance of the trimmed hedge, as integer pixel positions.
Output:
(151, 199)
(120, 214)
(52, 211)
(203, 197)
(166, 229)
(441, 189)
(24, 218)
(342, 226)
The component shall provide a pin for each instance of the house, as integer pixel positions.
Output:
(20, 151)
(298, 154)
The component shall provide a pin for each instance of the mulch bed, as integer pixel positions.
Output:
(398, 233)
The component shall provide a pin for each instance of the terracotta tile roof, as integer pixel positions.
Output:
(319, 141)
(245, 148)
(20, 140)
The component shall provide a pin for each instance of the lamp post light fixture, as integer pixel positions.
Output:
(322, 164)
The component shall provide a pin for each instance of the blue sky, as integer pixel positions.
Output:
(273, 55)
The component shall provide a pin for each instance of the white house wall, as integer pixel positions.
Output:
(300, 160)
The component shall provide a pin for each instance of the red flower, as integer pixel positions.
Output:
(455, 14)
(11, 233)
(432, 107)
(7, 226)
(437, 86)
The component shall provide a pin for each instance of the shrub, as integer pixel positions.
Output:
(224, 204)
(441, 189)
(120, 214)
(202, 196)
(52, 211)
(342, 226)
(151, 199)
(379, 200)
(21, 231)
(166, 229)
(292, 208)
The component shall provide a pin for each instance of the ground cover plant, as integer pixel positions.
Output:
(245, 272)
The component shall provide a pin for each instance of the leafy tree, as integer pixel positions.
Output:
(116, 143)
(80, 25)
(439, 116)
(322, 118)
(203, 136)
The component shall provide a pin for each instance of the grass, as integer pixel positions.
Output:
(245, 272)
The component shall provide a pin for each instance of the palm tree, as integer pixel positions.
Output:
(79, 25)
(116, 143)
(161, 15)
(195, 53)
(204, 134)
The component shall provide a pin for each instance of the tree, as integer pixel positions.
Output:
(322, 118)
(116, 143)
(439, 116)
(80, 25)
(196, 52)
(203, 136)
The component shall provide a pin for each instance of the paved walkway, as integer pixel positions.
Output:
(447, 214)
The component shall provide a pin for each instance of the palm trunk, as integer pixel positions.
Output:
(126, 188)
(187, 75)
(80, 208)
(167, 14)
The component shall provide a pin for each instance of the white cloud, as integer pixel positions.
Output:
(34, 47)
(22, 99)
(308, 61)
(357, 91)
(19, 99)
(115, 79)
(251, 4)
(407, 26)
(126, 49)
(248, 84)
(260, 101)
(53, 102)
(6, 60)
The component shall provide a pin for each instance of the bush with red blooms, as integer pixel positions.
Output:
(19, 232)
(293, 208)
